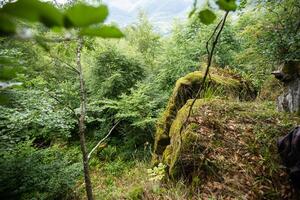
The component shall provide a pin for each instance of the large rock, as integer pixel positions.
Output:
(228, 149)
(221, 83)
(289, 74)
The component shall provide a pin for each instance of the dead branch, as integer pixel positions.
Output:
(103, 139)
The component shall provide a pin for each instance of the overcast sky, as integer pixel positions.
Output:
(160, 12)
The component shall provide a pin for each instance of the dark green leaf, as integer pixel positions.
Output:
(7, 73)
(3, 98)
(7, 26)
(103, 31)
(35, 11)
(207, 16)
(41, 41)
(228, 5)
(7, 61)
(81, 15)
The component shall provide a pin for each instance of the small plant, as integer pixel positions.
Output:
(157, 173)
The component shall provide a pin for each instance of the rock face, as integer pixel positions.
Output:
(290, 100)
(289, 74)
(227, 150)
(221, 83)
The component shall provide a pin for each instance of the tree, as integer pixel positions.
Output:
(50, 16)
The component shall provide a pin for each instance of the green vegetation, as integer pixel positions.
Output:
(66, 79)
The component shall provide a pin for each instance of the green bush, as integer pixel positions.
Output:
(28, 173)
(114, 74)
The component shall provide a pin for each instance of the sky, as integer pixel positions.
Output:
(161, 13)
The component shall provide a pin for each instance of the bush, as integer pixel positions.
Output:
(114, 74)
(28, 173)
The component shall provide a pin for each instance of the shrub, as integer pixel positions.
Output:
(28, 173)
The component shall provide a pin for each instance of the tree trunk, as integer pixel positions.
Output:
(81, 123)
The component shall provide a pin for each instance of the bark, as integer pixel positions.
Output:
(81, 123)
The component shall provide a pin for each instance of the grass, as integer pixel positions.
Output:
(241, 161)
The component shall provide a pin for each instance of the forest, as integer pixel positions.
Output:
(95, 109)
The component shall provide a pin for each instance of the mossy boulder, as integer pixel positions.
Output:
(219, 83)
(230, 148)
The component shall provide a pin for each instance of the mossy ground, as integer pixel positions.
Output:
(228, 151)
(230, 148)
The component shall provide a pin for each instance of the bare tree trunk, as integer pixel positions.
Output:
(81, 123)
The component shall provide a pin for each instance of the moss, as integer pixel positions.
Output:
(228, 144)
(221, 82)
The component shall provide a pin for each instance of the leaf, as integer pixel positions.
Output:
(7, 26)
(192, 12)
(104, 31)
(7, 73)
(3, 98)
(41, 41)
(207, 16)
(7, 61)
(81, 15)
(228, 5)
(35, 11)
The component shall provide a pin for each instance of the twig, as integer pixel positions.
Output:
(59, 101)
(89, 155)
(67, 64)
(212, 35)
(207, 68)
(58, 40)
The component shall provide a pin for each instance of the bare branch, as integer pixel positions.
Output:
(212, 35)
(89, 155)
(59, 101)
(65, 63)
(210, 56)
(58, 40)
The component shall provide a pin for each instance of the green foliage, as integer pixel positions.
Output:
(129, 80)
(228, 5)
(136, 193)
(207, 16)
(34, 11)
(103, 31)
(34, 115)
(7, 25)
(95, 15)
(139, 108)
(146, 41)
(116, 72)
(157, 173)
(28, 173)
(50, 16)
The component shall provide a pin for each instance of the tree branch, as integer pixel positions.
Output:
(89, 155)
(59, 101)
(212, 35)
(65, 63)
(209, 61)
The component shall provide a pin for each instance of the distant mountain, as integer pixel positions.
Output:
(160, 12)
